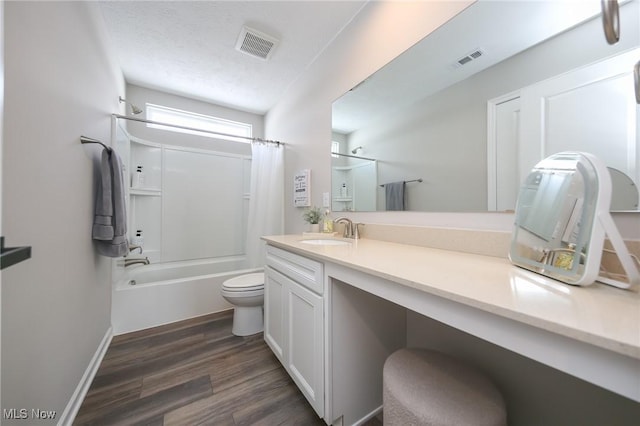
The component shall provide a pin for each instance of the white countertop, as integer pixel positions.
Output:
(599, 315)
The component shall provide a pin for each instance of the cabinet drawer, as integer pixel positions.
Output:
(304, 271)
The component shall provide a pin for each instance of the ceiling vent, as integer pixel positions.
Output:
(468, 58)
(256, 43)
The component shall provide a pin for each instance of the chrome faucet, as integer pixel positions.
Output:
(356, 230)
(134, 260)
(133, 247)
(351, 230)
(348, 226)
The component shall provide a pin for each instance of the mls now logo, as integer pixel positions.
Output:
(15, 413)
(23, 413)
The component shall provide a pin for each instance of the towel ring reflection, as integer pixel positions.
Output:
(636, 78)
(611, 20)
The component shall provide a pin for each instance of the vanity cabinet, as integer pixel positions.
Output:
(294, 327)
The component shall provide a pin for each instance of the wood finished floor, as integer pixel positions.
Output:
(193, 372)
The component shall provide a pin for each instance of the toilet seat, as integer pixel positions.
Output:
(244, 283)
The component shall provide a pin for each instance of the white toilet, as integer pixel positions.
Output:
(246, 294)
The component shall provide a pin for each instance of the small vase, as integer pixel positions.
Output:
(314, 227)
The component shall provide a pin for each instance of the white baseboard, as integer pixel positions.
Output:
(72, 408)
(369, 416)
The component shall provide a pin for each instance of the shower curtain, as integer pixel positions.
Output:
(266, 202)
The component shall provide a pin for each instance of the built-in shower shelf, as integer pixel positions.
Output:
(153, 192)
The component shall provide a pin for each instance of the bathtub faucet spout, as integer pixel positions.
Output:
(133, 261)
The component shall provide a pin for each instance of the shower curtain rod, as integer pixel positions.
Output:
(158, 123)
(353, 156)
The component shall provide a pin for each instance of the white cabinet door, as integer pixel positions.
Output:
(306, 343)
(275, 287)
(591, 109)
(294, 320)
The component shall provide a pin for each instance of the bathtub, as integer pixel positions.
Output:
(150, 295)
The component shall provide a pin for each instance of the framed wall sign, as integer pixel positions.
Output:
(302, 188)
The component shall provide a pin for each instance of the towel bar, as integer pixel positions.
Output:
(406, 181)
(84, 139)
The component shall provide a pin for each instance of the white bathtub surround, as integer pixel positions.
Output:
(169, 292)
(193, 211)
(266, 198)
(203, 203)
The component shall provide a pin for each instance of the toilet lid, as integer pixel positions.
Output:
(245, 282)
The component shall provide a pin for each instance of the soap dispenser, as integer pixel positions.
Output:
(138, 239)
(327, 225)
(137, 180)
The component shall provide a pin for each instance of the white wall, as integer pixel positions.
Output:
(1, 138)
(59, 84)
(302, 118)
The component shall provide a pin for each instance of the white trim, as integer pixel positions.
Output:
(369, 416)
(492, 181)
(71, 410)
(203, 151)
(144, 142)
(182, 121)
(335, 149)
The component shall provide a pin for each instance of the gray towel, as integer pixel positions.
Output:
(110, 222)
(394, 195)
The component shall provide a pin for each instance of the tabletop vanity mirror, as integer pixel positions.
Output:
(562, 219)
(465, 114)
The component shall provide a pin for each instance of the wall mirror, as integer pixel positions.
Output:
(465, 114)
(562, 217)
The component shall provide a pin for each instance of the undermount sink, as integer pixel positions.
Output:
(325, 242)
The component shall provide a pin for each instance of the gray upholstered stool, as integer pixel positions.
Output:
(423, 387)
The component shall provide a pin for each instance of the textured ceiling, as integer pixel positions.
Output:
(188, 47)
